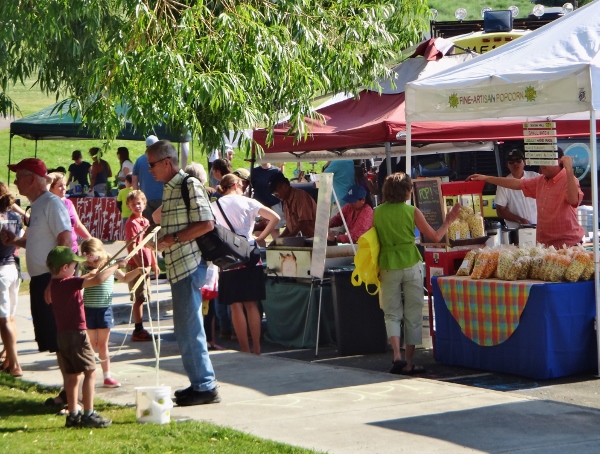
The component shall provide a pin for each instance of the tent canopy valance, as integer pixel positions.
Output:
(55, 123)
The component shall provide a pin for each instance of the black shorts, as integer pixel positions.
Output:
(241, 285)
(44, 325)
(75, 353)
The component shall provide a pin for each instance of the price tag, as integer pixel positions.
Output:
(544, 147)
(540, 155)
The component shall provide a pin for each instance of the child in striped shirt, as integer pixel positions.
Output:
(97, 303)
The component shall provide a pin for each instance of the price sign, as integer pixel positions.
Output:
(540, 139)
(542, 162)
(544, 147)
(427, 195)
(540, 125)
(540, 155)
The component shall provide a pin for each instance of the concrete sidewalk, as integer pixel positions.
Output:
(334, 409)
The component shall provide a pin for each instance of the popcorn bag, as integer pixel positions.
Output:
(466, 267)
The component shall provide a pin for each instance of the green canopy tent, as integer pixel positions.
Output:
(55, 123)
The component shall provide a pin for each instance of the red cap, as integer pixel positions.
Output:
(32, 164)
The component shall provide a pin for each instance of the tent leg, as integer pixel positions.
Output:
(307, 312)
(388, 157)
(35, 153)
(9, 156)
(594, 150)
(319, 319)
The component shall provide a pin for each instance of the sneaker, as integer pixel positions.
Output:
(141, 336)
(199, 398)
(95, 421)
(111, 383)
(184, 392)
(73, 421)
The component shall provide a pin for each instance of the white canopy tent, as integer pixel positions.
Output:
(552, 72)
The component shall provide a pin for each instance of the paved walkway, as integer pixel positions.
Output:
(334, 409)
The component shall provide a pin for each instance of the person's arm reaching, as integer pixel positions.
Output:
(510, 183)
(428, 231)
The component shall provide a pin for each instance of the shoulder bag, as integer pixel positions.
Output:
(225, 248)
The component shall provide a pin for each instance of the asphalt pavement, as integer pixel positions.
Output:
(344, 404)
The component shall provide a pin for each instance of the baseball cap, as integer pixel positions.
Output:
(33, 165)
(356, 192)
(515, 153)
(151, 140)
(62, 255)
(275, 180)
(244, 174)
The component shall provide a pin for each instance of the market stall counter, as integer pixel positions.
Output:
(535, 329)
(100, 216)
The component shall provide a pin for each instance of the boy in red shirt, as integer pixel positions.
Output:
(136, 201)
(75, 354)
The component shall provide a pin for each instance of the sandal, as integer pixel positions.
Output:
(414, 370)
(398, 367)
(213, 347)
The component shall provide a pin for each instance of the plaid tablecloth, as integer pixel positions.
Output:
(487, 310)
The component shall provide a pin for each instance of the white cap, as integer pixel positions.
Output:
(151, 140)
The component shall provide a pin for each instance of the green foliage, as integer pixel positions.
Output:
(26, 426)
(207, 67)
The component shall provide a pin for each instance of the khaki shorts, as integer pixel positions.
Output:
(140, 292)
(75, 354)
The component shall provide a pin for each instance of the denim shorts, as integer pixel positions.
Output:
(99, 317)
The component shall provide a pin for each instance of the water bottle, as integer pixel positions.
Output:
(85, 188)
(77, 189)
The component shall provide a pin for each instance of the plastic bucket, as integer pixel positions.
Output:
(153, 404)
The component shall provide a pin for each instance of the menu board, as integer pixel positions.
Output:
(427, 196)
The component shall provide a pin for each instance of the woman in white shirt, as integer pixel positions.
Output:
(242, 287)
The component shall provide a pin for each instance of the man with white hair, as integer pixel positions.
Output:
(142, 179)
(49, 226)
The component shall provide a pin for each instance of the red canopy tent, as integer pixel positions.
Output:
(373, 119)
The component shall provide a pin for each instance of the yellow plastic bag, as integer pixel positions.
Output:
(366, 262)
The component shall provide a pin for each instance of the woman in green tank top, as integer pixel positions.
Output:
(401, 293)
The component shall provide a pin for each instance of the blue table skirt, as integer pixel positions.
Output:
(555, 336)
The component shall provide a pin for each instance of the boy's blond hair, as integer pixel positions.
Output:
(136, 194)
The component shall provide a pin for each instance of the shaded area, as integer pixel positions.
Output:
(513, 427)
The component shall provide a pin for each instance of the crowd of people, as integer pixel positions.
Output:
(258, 204)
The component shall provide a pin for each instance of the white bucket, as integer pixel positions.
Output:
(153, 404)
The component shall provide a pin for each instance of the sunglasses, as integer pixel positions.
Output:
(515, 161)
(152, 164)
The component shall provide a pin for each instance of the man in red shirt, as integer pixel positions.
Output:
(557, 194)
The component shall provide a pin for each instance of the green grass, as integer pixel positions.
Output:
(26, 426)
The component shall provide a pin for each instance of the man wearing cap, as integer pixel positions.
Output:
(49, 226)
(299, 208)
(259, 179)
(512, 205)
(142, 179)
(557, 194)
(357, 213)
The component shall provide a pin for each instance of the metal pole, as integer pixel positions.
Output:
(319, 318)
(388, 157)
(408, 149)
(594, 150)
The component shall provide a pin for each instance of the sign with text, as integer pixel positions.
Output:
(541, 155)
(427, 195)
(540, 125)
(539, 132)
(545, 147)
(542, 162)
(540, 140)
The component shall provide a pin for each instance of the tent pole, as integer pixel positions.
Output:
(388, 157)
(498, 162)
(408, 149)
(35, 152)
(9, 155)
(594, 150)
